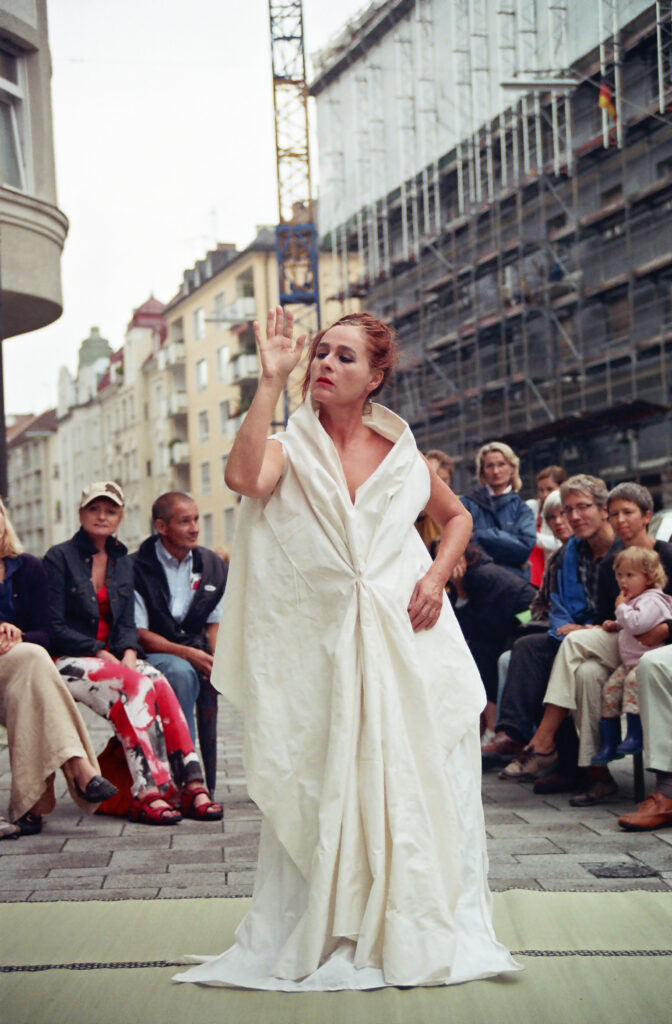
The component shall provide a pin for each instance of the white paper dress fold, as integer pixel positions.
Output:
(361, 739)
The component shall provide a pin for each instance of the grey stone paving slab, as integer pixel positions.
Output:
(148, 841)
(58, 884)
(198, 869)
(524, 844)
(115, 880)
(507, 831)
(130, 859)
(83, 859)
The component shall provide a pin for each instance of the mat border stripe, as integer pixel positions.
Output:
(123, 965)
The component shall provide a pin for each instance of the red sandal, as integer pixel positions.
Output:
(144, 811)
(204, 812)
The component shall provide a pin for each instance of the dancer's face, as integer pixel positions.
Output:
(341, 373)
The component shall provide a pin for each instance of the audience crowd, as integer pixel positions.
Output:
(565, 601)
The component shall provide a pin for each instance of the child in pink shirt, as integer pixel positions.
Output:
(640, 606)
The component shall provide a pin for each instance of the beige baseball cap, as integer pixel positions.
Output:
(102, 489)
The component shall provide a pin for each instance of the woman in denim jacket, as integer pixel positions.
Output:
(95, 645)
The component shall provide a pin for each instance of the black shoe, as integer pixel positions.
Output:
(97, 790)
(30, 824)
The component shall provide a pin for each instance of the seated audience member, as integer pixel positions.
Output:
(574, 602)
(179, 588)
(540, 609)
(96, 647)
(588, 656)
(44, 728)
(488, 599)
(547, 480)
(654, 684)
(444, 467)
(504, 526)
(640, 606)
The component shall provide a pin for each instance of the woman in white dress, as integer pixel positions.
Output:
(360, 697)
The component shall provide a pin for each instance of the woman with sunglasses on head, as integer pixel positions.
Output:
(96, 647)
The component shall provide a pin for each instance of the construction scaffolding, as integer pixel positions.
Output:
(528, 267)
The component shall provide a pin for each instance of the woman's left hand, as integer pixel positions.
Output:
(129, 658)
(426, 602)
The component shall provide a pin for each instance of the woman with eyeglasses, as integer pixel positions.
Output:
(96, 647)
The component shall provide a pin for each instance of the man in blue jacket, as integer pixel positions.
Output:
(504, 526)
(574, 603)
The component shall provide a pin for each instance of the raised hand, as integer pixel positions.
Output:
(278, 352)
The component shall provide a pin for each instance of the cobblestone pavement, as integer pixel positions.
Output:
(533, 842)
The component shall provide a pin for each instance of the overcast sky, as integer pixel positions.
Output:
(163, 131)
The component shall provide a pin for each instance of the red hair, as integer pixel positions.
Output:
(380, 340)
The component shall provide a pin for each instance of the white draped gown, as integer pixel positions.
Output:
(361, 737)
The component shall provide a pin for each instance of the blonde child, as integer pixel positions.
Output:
(640, 606)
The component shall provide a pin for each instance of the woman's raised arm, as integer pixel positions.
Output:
(255, 463)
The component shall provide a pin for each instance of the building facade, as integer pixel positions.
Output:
(527, 263)
(80, 429)
(32, 228)
(33, 479)
(128, 429)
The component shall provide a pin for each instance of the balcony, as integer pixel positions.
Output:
(243, 367)
(172, 355)
(177, 404)
(179, 453)
(241, 311)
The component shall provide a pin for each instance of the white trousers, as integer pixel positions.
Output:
(654, 688)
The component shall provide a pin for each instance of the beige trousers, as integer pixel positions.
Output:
(44, 729)
(586, 659)
(654, 688)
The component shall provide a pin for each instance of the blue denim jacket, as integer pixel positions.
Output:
(74, 608)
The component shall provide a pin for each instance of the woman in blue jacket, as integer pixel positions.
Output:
(44, 729)
(504, 526)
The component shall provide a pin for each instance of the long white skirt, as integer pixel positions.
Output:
(280, 898)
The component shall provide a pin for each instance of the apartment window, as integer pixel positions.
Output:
(222, 466)
(206, 481)
(176, 330)
(245, 285)
(201, 374)
(229, 524)
(203, 426)
(222, 361)
(207, 530)
(199, 323)
(219, 306)
(12, 136)
(148, 467)
(224, 413)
